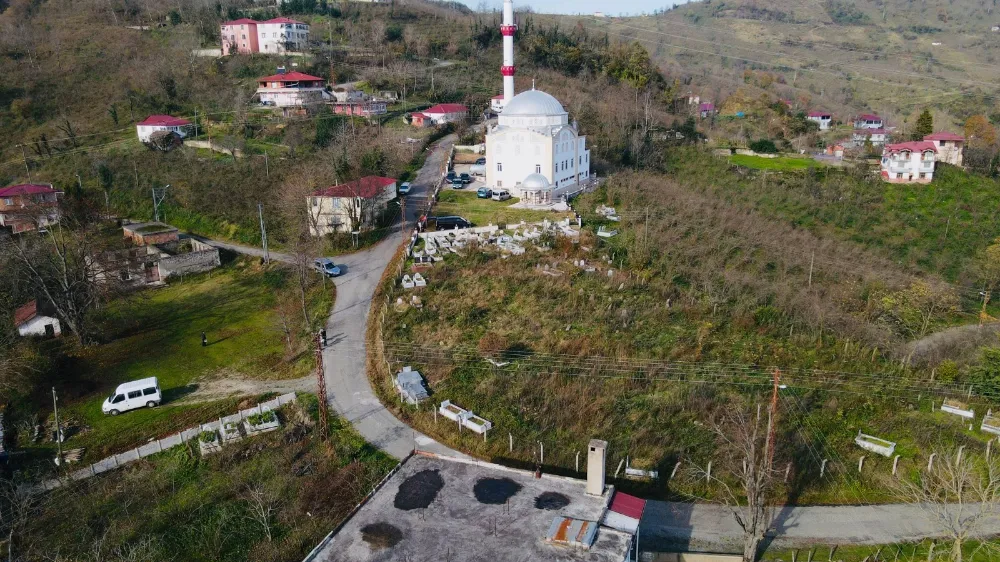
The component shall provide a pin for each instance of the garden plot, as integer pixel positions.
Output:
(875, 444)
(262, 422)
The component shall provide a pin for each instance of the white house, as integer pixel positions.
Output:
(350, 205)
(446, 113)
(290, 89)
(824, 118)
(878, 137)
(868, 121)
(949, 147)
(533, 139)
(282, 35)
(155, 123)
(30, 323)
(909, 162)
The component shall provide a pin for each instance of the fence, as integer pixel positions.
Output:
(160, 445)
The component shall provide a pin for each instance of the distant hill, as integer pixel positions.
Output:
(890, 56)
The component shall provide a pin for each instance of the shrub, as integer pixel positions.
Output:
(262, 418)
(763, 145)
(208, 437)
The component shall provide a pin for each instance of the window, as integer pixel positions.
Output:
(125, 275)
(134, 394)
(538, 168)
(118, 399)
(940, 143)
(499, 166)
(315, 201)
(149, 391)
(8, 201)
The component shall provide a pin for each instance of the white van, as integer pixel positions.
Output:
(132, 395)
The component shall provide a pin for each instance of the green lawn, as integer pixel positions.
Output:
(781, 163)
(482, 212)
(157, 333)
(179, 506)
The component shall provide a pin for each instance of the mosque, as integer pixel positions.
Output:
(533, 151)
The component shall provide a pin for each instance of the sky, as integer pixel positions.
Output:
(619, 7)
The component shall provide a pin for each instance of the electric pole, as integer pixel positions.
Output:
(772, 421)
(324, 429)
(263, 232)
(25, 156)
(55, 410)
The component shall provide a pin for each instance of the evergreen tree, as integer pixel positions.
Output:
(925, 125)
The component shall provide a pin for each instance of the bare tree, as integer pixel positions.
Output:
(747, 442)
(960, 496)
(18, 503)
(263, 506)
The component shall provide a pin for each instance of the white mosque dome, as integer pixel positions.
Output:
(536, 181)
(533, 103)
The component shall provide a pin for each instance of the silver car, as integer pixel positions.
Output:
(326, 267)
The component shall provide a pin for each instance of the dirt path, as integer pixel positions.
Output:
(207, 390)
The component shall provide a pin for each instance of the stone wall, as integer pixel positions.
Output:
(202, 257)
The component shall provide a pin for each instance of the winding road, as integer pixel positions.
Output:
(665, 525)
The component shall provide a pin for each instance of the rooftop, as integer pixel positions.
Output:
(366, 188)
(434, 506)
(283, 20)
(912, 146)
(165, 121)
(26, 189)
(446, 108)
(533, 103)
(943, 136)
(25, 313)
(820, 114)
(241, 21)
(869, 117)
(293, 76)
(149, 228)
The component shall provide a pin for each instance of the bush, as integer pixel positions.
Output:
(764, 146)
(208, 437)
(262, 418)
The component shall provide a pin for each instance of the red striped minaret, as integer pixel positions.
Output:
(507, 30)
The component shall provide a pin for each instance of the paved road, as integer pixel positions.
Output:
(347, 383)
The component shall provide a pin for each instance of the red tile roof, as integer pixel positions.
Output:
(944, 136)
(442, 108)
(25, 313)
(241, 21)
(367, 187)
(629, 506)
(500, 97)
(26, 189)
(418, 115)
(869, 117)
(282, 20)
(164, 121)
(912, 146)
(820, 114)
(290, 77)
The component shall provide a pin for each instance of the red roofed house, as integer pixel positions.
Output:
(420, 120)
(282, 35)
(868, 121)
(824, 118)
(30, 323)
(877, 137)
(496, 103)
(706, 109)
(909, 162)
(360, 108)
(290, 89)
(349, 206)
(446, 113)
(155, 123)
(29, 206)
(949, 147)
(239, 36)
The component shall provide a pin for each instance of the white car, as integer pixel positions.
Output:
(143, 393)
(501, 195)
(404, 188)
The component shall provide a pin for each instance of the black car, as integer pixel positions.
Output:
(480, 161)
(466, 178)
(452, 176)
(451, 223)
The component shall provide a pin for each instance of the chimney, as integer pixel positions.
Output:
(595, 467)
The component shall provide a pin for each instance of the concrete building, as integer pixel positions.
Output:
(29, 206)
(239, 36)
(823, 118)
(436, 507)
(868, 121)
(159, 255)
(154, 123)
(533, 137)
(146, 233)
(878, 137)
(282, 35)
(909, 162)
(443, 113)
(349, 206)
(410, 386)
(30, 322)
(290, 89)
(360, 108)
(949, 147)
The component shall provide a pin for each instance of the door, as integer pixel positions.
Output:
(134, 400)
(50, 331)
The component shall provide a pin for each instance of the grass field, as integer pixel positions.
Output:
(781, 163)
(482, 212)
(157, 333)
(201, 509)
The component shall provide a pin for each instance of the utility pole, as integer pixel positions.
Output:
(196, 123)
(321, 391)
(772, 421)
(55, 410)
(267, 171)
(812, 261)
(263, 232)
(25, 156)
(79, 184)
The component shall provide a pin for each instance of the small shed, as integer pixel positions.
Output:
(625, 513)
(147, 233)
(30, 322)
(410, 385)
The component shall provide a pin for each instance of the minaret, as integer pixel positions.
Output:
(507, 30)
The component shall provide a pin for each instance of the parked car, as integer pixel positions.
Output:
(501, 195)
(457, 183)
(466, 178)
(143, 393)
(478, 170)
(480, 161)
(484, 193)
(404, 188)
(326, 267)
(451, 176)
(450, 223)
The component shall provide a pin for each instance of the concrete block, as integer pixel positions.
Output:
(82, 474)
(171, 441)
(148, 449)
(128, 456)
(189, 434)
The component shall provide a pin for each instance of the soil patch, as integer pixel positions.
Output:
(381, 535)
(551, 501)
(495, 491)
(419, 490)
